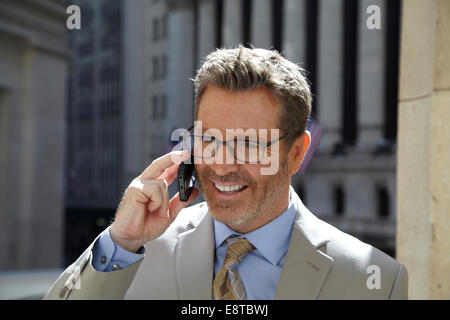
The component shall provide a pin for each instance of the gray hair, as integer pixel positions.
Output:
(241, 69)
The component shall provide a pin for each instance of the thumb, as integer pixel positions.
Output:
(175, 205)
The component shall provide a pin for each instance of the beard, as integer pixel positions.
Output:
(260, 194)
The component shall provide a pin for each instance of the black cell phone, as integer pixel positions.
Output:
(186, 179)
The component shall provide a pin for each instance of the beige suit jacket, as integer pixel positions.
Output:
(321, 263)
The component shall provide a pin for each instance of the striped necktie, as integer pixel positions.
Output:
(227, 284)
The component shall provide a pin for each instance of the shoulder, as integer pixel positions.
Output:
(352, 258)
(344, 247)
(360, 267)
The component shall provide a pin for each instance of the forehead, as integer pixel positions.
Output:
(222, 109)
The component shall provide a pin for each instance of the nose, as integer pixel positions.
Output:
(220, 165)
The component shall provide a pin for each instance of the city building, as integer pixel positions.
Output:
(131, 86)
(33, 72)
(353, 71)
(95, 122)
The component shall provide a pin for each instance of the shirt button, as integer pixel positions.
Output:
(103, 260)
(115, 267)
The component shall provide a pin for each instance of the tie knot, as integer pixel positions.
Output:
(237, 249)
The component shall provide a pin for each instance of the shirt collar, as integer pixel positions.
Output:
(271, 240)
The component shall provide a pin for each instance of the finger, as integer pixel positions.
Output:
(157, 167)
(155, 193)
(164, 194)
(175, 205)
(152, 189)
(170, 173)
(164, 212)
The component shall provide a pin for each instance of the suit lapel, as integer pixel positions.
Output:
(306, 267)
(195, 260)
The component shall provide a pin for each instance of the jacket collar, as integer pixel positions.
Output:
(195, 258)
(307, 264)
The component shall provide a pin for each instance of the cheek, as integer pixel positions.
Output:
(255, 173)
(200, 169)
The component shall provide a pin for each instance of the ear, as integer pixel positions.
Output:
(298, 151)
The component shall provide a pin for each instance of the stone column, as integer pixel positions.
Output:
(261, 28)
(423, 175)
(206, 36)
(330, 70)
(180, 50)
(33, 74)
(232, 23)
(371, 73)
(294, 36)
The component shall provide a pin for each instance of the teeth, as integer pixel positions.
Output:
(229, 188)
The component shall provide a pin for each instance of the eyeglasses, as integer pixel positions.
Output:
(243, 150)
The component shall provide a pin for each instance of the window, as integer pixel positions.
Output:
(85, 111)
(339, 200)
(159, 107)
(86, 76)
(111, 24)
(109, 73)
(164, 69)
(155, 107)
(164, 25)
(155, 68)
(382, 201)
(163, 106)
(86, 47)
(155, 31)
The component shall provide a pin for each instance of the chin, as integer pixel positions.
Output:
(231, 216)
(231, 221)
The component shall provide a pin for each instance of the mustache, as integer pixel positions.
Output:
(231, 177)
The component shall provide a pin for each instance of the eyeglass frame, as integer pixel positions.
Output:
(265, 145)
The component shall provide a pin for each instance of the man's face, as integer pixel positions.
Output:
(255, 109)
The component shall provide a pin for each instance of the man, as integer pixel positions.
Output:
(252, 238)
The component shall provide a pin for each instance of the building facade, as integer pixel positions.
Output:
(353, 71)
(131, 81)
(95, 121)
(33, 71)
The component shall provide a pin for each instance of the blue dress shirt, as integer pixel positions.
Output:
(259, 270)
(106, 254)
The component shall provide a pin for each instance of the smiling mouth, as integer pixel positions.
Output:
(230, 189)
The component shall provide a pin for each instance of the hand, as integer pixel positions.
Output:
(145, 211)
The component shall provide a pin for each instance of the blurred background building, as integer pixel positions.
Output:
(83, 112)
(33, 72)
(130, 87)
(95, 120)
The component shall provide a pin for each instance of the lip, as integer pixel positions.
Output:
(231, 196)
